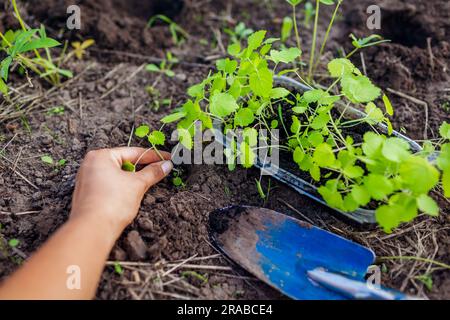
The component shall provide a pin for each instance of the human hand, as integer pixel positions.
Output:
(111, 196)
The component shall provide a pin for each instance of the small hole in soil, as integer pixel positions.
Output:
(402, 28)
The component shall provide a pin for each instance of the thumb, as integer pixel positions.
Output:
(155, 172)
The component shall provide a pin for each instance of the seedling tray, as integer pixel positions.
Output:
(360, 216)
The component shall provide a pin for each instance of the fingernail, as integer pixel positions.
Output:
(166, 166)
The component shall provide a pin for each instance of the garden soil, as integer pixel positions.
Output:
(108, 98)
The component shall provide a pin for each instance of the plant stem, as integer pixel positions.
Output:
(297, 37)
(440, 264)
(322, 48)
(313, 46)
(16, 11)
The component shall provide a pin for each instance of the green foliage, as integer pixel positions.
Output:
(286, 28)
(165, 66)
(13, 243)
(379, 171)
(179, 35)
(238, 33)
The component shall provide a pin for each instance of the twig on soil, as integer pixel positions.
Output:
(19, 213)
(416, 101)
(18, 173)
(132, 75)
(297, 211)
(430, 53)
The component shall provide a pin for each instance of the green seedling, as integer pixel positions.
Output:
(309, 13)
(366, 42)
(238, 33)
(179, 35)
(49, 160)
(177, 181)
(118, 268)
(79, 48)
(286, 28)
(427, 280)
(157, 101)
(165, 66)
(202, 278)
(13, 243)
(380, 169)
(21, 47)
(56, 111)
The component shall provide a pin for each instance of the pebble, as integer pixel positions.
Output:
(149, 200)
(135, 246)
(146, 224)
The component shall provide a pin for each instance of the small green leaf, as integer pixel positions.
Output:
(185, 138)
(360, 195)
(426, 204)
(141, 131)
(3, 87)
(443, 160)
(13, 243)
(234, 49)
(152, 67)
(388, 105)
(327, 2)
(444, 130)
(323, 155)
(261, 82)
(118, 268)
(244, 117)
(128, 166)
(285, 55)
(359, 89)
(378, 186)
(47, 159)
(256, 39)
(298, 155)
(156, 137)
(278, 93)
(418, 174)
(173, 117)
(223, 104)
(177, 181)
(395, 149)
(286, 28)
(340, 67)
(38, 44)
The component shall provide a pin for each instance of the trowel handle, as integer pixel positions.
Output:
(354, 289)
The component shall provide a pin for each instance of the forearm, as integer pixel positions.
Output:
(77, 251)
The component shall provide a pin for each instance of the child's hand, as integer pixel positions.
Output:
(106, 194)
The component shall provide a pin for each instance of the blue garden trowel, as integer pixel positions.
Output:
(294, 257)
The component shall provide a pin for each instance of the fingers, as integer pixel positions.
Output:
(155, 172)
(134, 154)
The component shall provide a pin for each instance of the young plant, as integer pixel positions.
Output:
(157, 100)
(165, 67)
(79, 48)
(309, 13)
(378, 170)
(366, 42)
(55, 164)
(239, 33)
(179, 35)
(22, 48)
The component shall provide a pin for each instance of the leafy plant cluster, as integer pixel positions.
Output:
(22, 48)
(378, 171)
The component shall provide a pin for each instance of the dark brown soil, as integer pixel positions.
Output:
(102, 108)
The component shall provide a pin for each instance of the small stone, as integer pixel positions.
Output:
(119, 254)
(146, 224)
(46, 140)
(135, 246)
(181, 76)
(149, 200)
